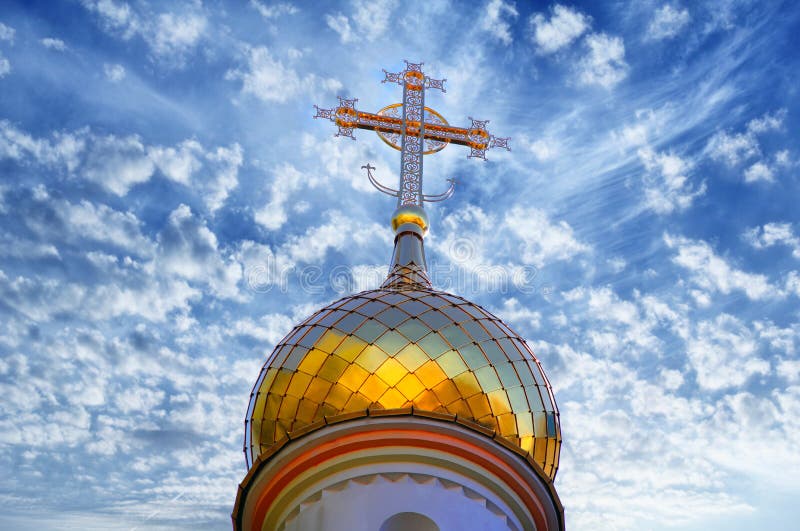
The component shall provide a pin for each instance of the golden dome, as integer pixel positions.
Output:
(406, 345)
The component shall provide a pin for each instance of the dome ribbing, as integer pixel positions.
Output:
(406, 345)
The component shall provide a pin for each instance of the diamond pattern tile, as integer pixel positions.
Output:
(400, 346)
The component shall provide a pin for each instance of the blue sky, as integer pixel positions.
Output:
(168, 208)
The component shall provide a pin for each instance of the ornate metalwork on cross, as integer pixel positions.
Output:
(413, 129)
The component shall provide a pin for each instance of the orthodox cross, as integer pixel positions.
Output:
(414, 129)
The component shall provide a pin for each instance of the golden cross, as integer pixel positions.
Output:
(414, 129)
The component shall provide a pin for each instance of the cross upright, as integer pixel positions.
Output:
(414, 129)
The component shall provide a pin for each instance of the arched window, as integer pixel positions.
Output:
(409, 522)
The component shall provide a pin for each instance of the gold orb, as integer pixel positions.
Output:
(410, 214)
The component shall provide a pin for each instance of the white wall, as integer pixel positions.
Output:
(363, 504)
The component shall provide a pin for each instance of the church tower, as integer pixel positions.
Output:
(403, 407)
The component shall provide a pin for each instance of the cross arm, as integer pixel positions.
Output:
(347, 118)
(477, 138)
(414, 76)
(345, 106)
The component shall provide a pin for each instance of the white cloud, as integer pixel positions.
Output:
(164, 278)
(224, 162)
(270, 328)
(341, 25)
(101, 223)
(7, 33)
(793, 283)
(42, 299)
(722, 16)
(599, 377)
(152, 285)
(771, 234)
(738, 416)
(139, 399)
(724, 353)
(616, 326)
(188, 249)
(780, 340)
(360, 277)
(495, 20)
(370, 20)
(604, 64)
(114, 73)
(274, 10)
(564, 27)
(783, 159)
(114, 16)
(543, 240)
(286, 180)
(733, 149)
(469, 241)
(544, 149)
(372, 17)
(607, 306)
(154, 300)
(184, 162)
(118, 164)
(11, 246)
(5, 66)
(337, 160)
(630, 427)
(758, 171)
(314, 243)
(174, 34)
(667, 22)
(672, 379)
(617, 264)
(263, 268)
(768, 122)
(514, 312)
(667, 185)
(649, 124)
(53, 44)
(712, 273)
(269, 80)
(738, 147)
(64, 148)
(171, 36)
(178, 163)
(668, 314)
(631, 135)
(789, 369)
